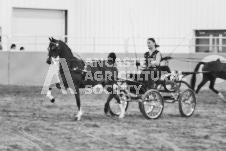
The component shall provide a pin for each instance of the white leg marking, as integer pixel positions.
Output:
(122, 114)
(49, 95)
(221, 96)
(79, 115)
(63, 91)
(71, 91)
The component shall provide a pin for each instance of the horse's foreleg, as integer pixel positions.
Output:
(49, 94)
(77, 97)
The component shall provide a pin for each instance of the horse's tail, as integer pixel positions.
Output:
(193, 78)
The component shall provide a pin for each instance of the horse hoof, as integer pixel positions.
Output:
(221, 97)
(121, 116)
(107, 114)
(106, 111)
(77, 118)
(52, 100)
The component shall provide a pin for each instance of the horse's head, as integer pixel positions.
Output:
(54, 49)
(58, 48)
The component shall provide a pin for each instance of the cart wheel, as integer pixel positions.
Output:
(114, 107)
(183, 85)
(187, 103)
(152, 104)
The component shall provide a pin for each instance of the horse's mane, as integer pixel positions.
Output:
(68, 51)
(70, 58)
(62, 44)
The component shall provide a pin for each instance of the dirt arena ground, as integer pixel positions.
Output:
(29, 122)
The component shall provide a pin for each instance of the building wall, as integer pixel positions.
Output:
(130, 18)
(162, 18)
(7, 6)
(150, 18)
(30, 68)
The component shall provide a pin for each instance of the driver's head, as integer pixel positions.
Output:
(151, 43)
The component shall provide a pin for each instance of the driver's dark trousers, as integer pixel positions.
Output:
(150, 76)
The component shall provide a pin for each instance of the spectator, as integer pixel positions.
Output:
(13, 47)
(21, 48)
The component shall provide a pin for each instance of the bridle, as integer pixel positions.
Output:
(57, 46)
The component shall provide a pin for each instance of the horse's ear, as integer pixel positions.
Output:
(50, 39)
(53, 39)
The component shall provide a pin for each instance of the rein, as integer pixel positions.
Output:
(83, 71)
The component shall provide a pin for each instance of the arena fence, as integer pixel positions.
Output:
(29, 67)
(118, 44)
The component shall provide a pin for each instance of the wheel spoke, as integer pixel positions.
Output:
(150, 109)
(152, 104)
(114, 106)
(187, 103)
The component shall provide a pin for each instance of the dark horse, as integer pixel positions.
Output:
(82, 74)
(211, 71)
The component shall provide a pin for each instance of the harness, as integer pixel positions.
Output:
(89, 70)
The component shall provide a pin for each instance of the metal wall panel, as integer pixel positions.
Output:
(29, 68)
(112, 18)
(4, 67)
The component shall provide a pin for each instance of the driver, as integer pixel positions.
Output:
(152, 64)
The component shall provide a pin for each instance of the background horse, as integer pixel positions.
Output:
(211, 71)
(106, 74)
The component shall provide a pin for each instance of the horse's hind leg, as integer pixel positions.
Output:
(77, 97)
(122, 113)
(212, 83)
(110, 97)
(204, 80)
(107, 106)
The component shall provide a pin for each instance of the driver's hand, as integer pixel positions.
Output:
(143, 66)
(137, 63)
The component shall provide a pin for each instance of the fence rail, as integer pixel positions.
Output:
(116, 44)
